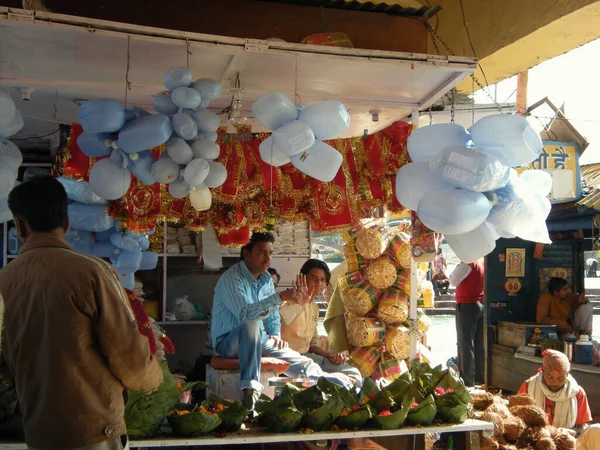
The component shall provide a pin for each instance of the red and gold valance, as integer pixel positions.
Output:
(254, 189)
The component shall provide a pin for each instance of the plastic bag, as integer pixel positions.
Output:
(470, 169)
(183, 309)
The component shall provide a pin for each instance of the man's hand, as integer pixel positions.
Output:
(302, 294)
(581, 299)
(279, 343)
(337, 358)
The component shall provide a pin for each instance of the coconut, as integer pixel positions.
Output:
(531, 415)
(500, 408)
(521, 400)
(482, 401)
(563, 440)
(488, 444)
(494, 418)
(513, 427)
(545, 444)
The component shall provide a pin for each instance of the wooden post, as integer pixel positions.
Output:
(522, 81)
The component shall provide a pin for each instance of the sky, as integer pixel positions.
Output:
(573, 79)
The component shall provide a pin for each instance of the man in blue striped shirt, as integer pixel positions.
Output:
(246, 321)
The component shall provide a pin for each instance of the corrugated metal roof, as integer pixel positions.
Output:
(409, 8)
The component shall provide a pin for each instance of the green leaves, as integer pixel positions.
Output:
(424, 414)
(193, 423)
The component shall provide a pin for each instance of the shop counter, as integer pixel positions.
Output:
(473, 429)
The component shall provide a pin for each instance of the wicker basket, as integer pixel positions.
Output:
(361, 299)
(400, 250)
(365, 360)
(365, 332)
(382, 272)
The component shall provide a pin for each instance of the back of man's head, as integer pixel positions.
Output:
(41, 203)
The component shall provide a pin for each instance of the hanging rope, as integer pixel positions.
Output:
(188, 52)
(452, 107)
(473, 104)
(296, 94)
(127, 82)
(430, 115)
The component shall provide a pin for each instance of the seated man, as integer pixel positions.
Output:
(569, 312)
(441, 283)
(565, 402)
(299, 326)
(244, 297)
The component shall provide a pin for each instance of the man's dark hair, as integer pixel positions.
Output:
(255, 239)
(556, 284)
(316, 264)
(274, 273)
(41, 202)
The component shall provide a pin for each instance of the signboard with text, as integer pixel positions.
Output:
(561, 160)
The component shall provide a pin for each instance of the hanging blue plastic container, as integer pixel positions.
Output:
(128, 261)
(134, 112)
(209, 89)
(184, 126)
(80, 241)
(124, 241)
(105, 249)
(164, 105)
(105, 115)
(274, 110)
(186, 97)
(145, 133)
(207, 121)
(95, 145)
(80, 191)
(149, 261)
(142, 241)
(176, 77)
(140, 164)
(14, 243)
(89, 217)
(327, 120)
(584, 350)
(127, 280)
(103, 235)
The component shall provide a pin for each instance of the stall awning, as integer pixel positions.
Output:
(66, 59)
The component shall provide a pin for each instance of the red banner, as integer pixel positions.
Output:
(254, 189)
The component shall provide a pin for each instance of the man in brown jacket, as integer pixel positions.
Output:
(70, 341)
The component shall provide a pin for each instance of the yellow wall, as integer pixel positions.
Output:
(510, 36)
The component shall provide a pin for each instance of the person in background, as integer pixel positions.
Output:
(468, 279)
(274, 276)
(318, 255)
(440, 264)
(299, 327)
(563, 400)
(592, 267)
(70, 343)
(441, 283)
(569, 312)
(246, 321)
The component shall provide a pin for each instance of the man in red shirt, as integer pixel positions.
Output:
(468, 279)
(557, 393)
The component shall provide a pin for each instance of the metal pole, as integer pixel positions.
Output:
(413, 279)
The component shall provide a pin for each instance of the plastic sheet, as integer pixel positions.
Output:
(470, 169)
